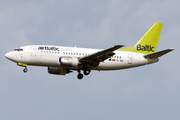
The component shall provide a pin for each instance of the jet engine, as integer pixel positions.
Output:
(69, 62)
(58, 71)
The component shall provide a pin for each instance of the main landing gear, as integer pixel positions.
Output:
(86, 72)
(80, 75)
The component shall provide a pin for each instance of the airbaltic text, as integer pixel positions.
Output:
(54, 48)
(48, 48)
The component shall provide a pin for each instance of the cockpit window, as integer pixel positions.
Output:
(19, 49)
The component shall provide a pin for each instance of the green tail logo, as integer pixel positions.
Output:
(148, 43)
(145, 48)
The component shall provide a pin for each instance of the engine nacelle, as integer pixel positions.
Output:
(58, 71)
(69, 62)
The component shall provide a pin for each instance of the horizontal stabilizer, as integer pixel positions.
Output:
(158, 54)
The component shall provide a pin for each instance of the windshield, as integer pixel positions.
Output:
(19, 49)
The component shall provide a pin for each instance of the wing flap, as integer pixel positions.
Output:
(158, 54)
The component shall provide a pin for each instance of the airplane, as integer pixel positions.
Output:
(61, 60)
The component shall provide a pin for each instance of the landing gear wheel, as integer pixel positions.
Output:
(80, 76)
(86, 72)
(25, 70)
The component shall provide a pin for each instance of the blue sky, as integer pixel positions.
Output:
(148, 92)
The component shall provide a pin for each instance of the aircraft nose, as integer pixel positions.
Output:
(9, 55)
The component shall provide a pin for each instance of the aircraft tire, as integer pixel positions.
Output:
(25, 70)
(86, 72)
(80, 76)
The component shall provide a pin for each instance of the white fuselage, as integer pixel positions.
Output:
(62, 60)
(45, 55)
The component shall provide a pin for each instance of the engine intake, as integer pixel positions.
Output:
(69, 62)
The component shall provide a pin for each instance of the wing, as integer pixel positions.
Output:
(100, 56)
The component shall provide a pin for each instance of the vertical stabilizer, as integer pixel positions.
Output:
(148, 43)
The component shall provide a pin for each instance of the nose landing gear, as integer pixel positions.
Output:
(23, 65)
(25, 70)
